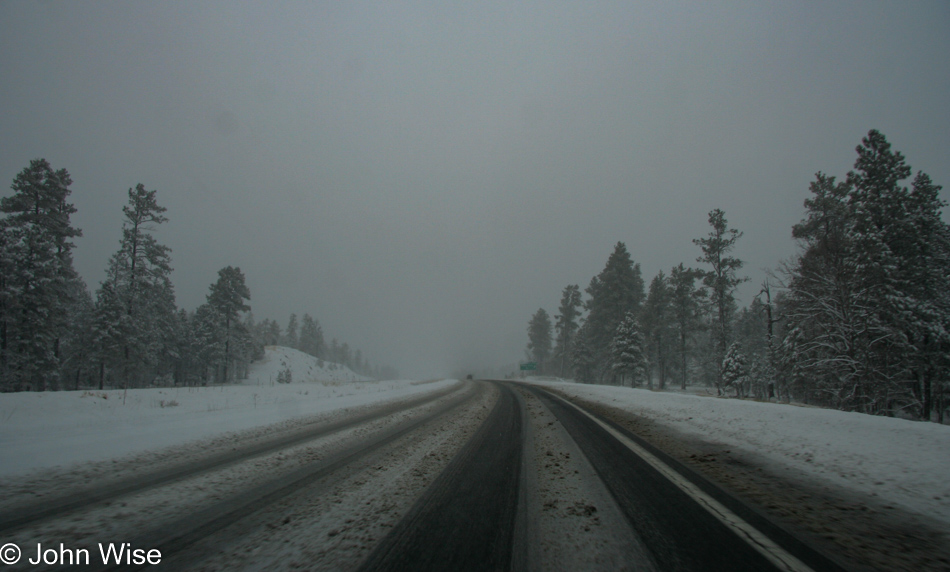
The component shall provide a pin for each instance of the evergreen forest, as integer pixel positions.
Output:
(858, 319)
(55, 334)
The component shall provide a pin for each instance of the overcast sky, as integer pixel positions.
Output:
(423, 176)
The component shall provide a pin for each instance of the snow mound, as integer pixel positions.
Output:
(302, 367)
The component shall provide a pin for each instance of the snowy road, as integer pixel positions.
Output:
(466, 519)
(477, 475)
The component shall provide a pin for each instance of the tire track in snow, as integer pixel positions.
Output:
(31, 513)
(176, 537)
(466, 519)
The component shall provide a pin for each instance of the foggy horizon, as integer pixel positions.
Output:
(421, 178)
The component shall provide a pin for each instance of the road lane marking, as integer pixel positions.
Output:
(757, 540)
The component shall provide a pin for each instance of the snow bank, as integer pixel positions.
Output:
(39, 430)
(899, 461)
(303, 367)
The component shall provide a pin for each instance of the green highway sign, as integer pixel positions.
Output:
(529, 366)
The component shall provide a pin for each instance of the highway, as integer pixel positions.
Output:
(488, 475)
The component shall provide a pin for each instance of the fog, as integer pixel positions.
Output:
(421, 177)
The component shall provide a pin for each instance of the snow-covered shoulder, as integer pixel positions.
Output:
(899, 461)
(50, 429)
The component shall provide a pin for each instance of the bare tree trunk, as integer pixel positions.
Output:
(683, 357)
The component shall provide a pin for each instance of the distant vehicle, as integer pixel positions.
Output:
(469, 376)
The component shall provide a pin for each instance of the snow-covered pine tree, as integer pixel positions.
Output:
(721, 279)
(77, 363)
(37, 280)
(227, 298)
(902, 252)
(187, 370)
(628, 351)
(311, 337)
(135, 311)
(618, 289)
(539, 338)
(751, 332)
(734, 370)
(869, 303)
(824, 320)
(566, 326)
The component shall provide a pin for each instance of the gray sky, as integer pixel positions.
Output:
(423, 176)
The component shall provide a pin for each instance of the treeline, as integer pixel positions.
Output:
(858, 319)
(55, 334)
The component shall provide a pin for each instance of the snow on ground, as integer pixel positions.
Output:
(303, 367)
(898, 461)
(40, 430)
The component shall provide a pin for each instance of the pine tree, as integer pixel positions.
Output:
(686, 308)
(628, 351)
(721, 280)
(617, 290)
(208, 349)
(566, 326)
(311, 337)
(583, 360)
(226, 299)
(187, 369)
(77, 358)
(273, 333)
(869, 309)
(825, 324)
(290, 337)
(735, 370)
(539, 338)
(37, 280)
(255, 340)
(135, 305)
(752, 333)
(903, 257)
(658, 327)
